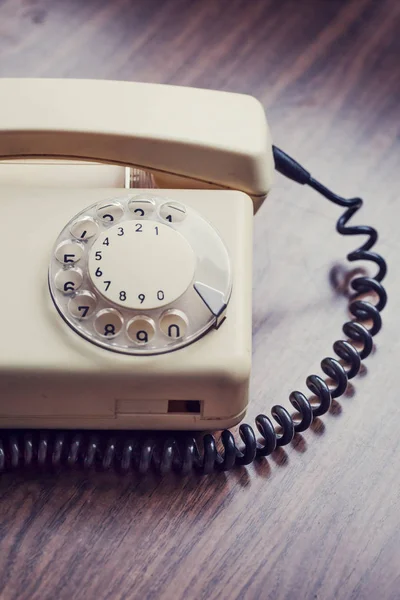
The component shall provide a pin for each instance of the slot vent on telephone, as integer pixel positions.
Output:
(125, 407)
(184, 406)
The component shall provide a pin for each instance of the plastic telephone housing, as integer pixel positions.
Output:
(51, 377)
(208, 150)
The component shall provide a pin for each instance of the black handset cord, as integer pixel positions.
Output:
(126, 451)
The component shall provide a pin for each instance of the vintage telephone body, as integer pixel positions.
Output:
(129, 308)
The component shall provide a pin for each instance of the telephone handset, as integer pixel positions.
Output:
(139, 312)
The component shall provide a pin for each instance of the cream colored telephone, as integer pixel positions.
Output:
(122, 307)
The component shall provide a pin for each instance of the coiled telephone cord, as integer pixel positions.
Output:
(164, 452)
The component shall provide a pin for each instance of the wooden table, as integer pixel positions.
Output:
(319, 519)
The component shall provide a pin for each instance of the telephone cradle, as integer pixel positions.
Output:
(137, 335)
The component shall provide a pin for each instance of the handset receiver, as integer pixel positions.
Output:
(186, 137)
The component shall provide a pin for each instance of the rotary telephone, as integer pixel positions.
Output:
(133, 206)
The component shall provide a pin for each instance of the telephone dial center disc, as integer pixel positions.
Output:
(141, 265)
(140, 274)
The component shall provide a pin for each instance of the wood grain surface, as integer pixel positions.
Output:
(321, 518)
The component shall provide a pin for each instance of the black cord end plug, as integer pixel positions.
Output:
(288, 167)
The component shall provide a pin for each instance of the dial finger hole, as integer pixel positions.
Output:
(82, 305)
(110, 212)
(173, 324)
(108, 323)
(141, 330)
(84, 228)
(141, 207)
(68, 280)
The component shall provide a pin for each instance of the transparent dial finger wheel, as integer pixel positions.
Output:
(140, 274)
